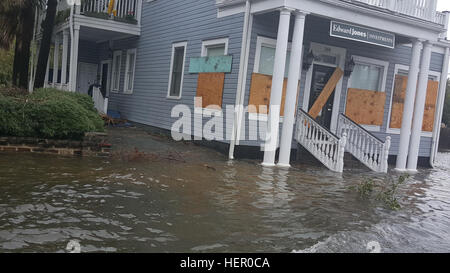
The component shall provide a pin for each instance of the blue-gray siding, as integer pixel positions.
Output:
(165, 23)
(168, 22)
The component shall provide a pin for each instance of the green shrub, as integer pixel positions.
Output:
(48, 113)
(6, 64)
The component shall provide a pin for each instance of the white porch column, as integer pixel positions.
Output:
(295, 66)
(74, 59)
(405, 131)
(55, 61)
(419, 108)
(64, 57)
(273, 121)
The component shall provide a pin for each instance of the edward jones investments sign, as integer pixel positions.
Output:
(362, 34)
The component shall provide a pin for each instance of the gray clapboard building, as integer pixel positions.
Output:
(366, 77)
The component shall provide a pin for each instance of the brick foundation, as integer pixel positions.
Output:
(93, 144)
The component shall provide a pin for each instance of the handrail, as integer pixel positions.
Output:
(360, 127)
(363, 145)
(320, 142)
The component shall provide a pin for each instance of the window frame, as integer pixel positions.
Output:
(115, 54)
(268, 42)
(212, 43)
(264, 41)
(398, 67)
(375, 62)
(126, 88)
(174, 46)
(370, 61)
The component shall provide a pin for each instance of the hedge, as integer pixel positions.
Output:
(48, 113)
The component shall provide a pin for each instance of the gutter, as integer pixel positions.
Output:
(242, 78)
(71, 28)
(439, 110)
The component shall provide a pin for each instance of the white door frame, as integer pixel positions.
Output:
(322, 49)
(79, 67)
(108, 78)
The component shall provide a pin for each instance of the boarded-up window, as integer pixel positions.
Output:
(365, 107)
(210, 89)
(398, 100)
(260, 89)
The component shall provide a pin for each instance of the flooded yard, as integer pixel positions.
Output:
(187, 198)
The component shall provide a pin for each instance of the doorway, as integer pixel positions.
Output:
(326, 60)
(320, 76)
(105, 78)
(87, 75)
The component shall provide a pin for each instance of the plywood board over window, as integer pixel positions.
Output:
(210, 88)
(398, 101)
(260, 90)
(365, 107)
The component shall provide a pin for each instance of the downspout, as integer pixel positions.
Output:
(71, 47)
(439, 110)
(240, 92)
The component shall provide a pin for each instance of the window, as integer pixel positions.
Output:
(129, 71)
(396, 108)
(217, 47)
(265, 57)
(177, 70)
(368, 74)
(117, 63)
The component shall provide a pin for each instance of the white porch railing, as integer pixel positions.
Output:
(99, 100)
(321, 143)
(130, 9)
(366, 147)
(423, 9)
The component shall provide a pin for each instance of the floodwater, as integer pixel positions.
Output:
(198, 201)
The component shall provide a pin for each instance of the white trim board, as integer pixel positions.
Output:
(117, 53)
(405, 68)
(175, 45)
(126, 88)
(214, 42)
(376, 62)
(108, 77)
(324, 49)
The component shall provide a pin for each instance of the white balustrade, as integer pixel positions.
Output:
(321, 143)
(366, 147)
(123, 8)
(422, 9)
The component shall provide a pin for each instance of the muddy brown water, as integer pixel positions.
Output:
(205, 203)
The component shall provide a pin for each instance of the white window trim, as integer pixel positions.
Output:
(204, 53)
(398, 67)
(215, 42)
(115, 54)
(175, 45)
(370, 61)
(127, 89)
(269, 42)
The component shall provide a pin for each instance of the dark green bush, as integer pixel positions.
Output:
(48, 113)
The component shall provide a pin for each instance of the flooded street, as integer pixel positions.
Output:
(204, 203)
